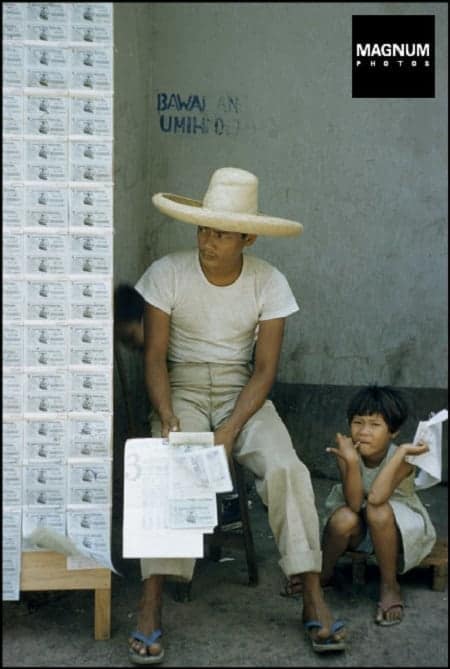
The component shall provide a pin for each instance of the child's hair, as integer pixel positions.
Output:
(128, 304)
(384, 400)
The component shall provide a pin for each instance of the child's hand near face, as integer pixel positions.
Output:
(347, 450)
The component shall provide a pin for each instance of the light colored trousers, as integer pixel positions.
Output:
(203, 396)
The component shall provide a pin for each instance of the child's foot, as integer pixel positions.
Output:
(390, 607)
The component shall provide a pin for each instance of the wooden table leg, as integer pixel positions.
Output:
(102, 614)
(440, 575)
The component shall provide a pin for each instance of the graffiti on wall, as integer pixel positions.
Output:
(195, 114)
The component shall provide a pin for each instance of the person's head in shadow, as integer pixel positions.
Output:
(129, 316)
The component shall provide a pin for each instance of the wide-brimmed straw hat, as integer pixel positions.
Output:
(230, 204)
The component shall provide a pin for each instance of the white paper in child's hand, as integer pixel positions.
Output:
(429, 463)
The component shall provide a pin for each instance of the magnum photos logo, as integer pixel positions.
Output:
(393, 57)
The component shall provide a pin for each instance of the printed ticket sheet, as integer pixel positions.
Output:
(47, 66)
(91, 116)
(11, 553)
(44, 484)
(13, 442)
(90, 300)
(91, 255)
(91, 208)
(46, 300)
(46, 345)
(196, 473)
(90, 531)
(54, 13)
(13, 207)
(46, 253)
(12, 485)
(91, 69)
(91, 16)
(46, 391)
(90, 437)
(46, 115)
(53, 519)
(13, 65)
(89, 482)
(91, 345)
(13, 300)
(91, 161)
(46, 160)
(12, 114)
(145, 531)
(13, 253)
(46, 32)
(170, 489)
(46, 208)
(90, 391)
(13, 159)
(12, 345)
(13, 389)
(45, 440)
(13, 20)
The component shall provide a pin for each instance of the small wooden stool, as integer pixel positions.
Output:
(238, 534)
(437, 560)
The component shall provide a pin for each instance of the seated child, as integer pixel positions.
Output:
(129, 316)
(375, 508)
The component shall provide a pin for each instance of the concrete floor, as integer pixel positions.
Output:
(229, 624)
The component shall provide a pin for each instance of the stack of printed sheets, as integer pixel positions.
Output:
(170, 488)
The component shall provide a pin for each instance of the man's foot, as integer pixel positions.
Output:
(149, 651)
(145, 646)
(328, 644)
(390, 606)
(316, 610)
(294, 585)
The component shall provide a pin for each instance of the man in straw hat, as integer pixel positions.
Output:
(214, 320)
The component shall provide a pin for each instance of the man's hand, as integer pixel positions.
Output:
(225, 436)
(347, 450)
(169, 423)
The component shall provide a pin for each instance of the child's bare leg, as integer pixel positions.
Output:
(386, 542)
(345, 529)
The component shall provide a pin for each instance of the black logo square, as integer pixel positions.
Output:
(393, 56)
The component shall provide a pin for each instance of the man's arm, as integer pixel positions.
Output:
(156, 342)
(254, 393)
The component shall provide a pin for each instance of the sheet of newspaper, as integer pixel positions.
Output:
(170, 494)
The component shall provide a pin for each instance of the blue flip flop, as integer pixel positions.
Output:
(329, 644)
(136, 658)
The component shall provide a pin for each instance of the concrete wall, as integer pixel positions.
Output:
(367, 178)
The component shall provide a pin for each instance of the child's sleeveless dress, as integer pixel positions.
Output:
(416, 529)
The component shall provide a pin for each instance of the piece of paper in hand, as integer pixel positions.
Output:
(429, 463)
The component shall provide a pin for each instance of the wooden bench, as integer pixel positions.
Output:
(437, 561)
